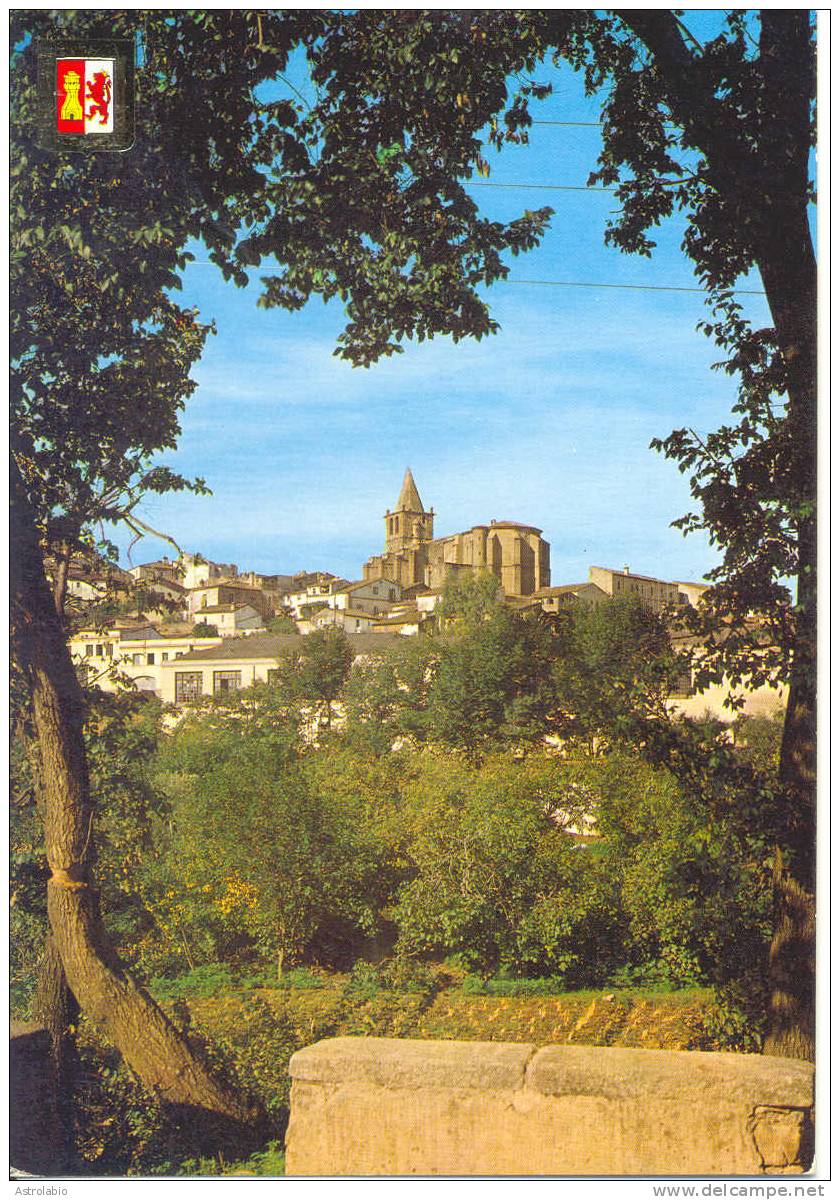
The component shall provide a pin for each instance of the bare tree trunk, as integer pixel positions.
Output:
(162, 1059)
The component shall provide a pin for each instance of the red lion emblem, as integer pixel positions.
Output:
(99, 94)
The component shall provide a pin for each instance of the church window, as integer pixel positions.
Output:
(396, 524)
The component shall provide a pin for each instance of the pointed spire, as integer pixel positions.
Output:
(409, 500)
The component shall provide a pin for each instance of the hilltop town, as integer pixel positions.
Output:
(188, 627)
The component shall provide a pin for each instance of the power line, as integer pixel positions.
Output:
(571, 124)
(631, 287)
(571, 283)
(550, 187)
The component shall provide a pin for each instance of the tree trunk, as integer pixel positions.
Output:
(788, 271)
(768, 185)
(55, 1008)
(62, 571)
(162, 1059)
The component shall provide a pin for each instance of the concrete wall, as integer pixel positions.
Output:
(388, 1106)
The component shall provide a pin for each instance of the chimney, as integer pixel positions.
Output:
(626, 569)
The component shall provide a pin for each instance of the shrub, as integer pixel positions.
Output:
(653, 974)
(268, 1162)
(553, 985)
(738, 1018)
(298, 979)
(256, 1048)
(211, 979)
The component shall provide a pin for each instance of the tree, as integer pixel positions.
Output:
(282, 623)
(614, 659)
(717, 131)
(362, 197)
(318, 670)
(386, 695)
(100, 369)
(290, 859)
(497, 879)
(205, 629)
(493, 681)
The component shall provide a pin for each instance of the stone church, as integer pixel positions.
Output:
(516, 554)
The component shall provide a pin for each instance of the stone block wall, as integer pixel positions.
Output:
(389, 1106)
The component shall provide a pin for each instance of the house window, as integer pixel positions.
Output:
(98, 649)
(89, 650)
(273, 676)
(226, 681)
(150, 660)
(392, 594)
(187, 686)
(164, 656)
(109, 649)
(137, 660)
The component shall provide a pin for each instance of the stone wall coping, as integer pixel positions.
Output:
(413, 1063)
(622, 1073)
(608, 1072)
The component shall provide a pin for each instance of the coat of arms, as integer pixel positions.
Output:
(84, 95)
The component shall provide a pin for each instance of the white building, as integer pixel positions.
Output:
(231, 619)
(129, 655)
(310, 592)
(237, 663)
(351, 620)
(196, 570)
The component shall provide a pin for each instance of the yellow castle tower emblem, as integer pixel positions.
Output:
(71, 109)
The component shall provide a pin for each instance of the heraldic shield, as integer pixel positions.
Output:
(86, 95)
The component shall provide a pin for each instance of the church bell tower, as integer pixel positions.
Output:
(409, 525)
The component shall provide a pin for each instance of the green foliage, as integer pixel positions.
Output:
(695, 883)
(615, 667)
(120, 1128)
(758, 741)
(282, 624)
(287, 867)
(474, 985)
(654, 974)
(257, 1048)
(470, 597)
(738, 1019)
(316, 672)
(209, 979)
(493, 682)
(205, 629)
(271, 1162)
(386, 699)
(495, 877)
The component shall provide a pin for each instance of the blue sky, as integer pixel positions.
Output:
(548, 422)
